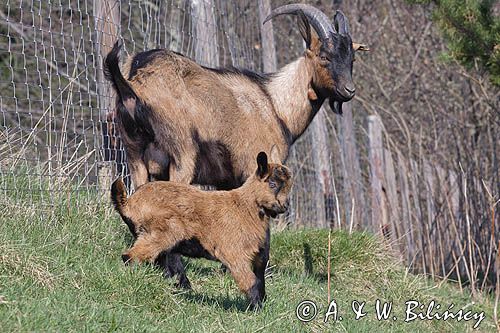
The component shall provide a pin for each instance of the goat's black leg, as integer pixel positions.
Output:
(182, 280)
(171, 263)
(257, 292)
(267, 247)
(223, 268)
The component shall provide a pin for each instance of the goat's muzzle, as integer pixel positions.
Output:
(276, 209)
(341, 95)
(348, 91)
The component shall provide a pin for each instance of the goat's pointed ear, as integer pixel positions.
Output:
(262, 166)
(305, 29)
(274, 155)
(360, 47)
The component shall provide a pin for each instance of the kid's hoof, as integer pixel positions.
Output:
(126, 259)
(183, 283)
(256, 305)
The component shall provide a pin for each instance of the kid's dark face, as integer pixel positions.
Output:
(276, 183)
(280, 184)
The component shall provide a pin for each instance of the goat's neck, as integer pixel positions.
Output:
(246, 197)
(289, 89)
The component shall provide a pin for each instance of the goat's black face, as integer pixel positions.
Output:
(331, 49)
(337, 55)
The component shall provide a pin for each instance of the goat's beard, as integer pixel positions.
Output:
(336, 106)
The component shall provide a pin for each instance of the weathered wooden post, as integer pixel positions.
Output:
(406, 215)
(351, 170)
(204, 28)
(269, 61)
(429, 198)
(378, 211)
(324, 198)
(392, 203)
(107, 23)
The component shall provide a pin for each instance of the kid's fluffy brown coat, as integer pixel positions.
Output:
(230, 226)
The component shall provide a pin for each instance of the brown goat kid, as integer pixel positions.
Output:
(231, 226)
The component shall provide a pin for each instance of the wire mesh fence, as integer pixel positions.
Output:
(50, 118)
(55, 104)
(57, 133)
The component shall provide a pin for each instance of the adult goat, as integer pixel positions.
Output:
(184, 122)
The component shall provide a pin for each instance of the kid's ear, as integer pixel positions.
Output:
(274, 155)
(263, 167)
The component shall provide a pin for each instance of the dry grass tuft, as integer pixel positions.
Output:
(33, 267)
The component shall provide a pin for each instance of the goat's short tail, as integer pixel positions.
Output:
(131, 110)
(112, 73)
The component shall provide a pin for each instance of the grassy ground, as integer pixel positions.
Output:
(63, 272)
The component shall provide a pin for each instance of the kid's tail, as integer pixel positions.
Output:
(119, 195)
(119, 199)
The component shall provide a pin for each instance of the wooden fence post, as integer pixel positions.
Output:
(107, 23)
(351, 170)
(204, 27)
(431, 213)
(419, 222)
(393, 210)
(405, 209)
(378, 210)
(267, 38)
(442, 190)
(322, 168)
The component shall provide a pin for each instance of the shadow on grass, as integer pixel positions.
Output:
(308, 267)
(203, 270)
(225, 302)
(128, 239)
(316, 277)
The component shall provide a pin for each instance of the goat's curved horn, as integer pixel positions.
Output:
(342, 22)
(318, 20)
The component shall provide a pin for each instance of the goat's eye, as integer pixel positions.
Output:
(324, 58)
(272, 184)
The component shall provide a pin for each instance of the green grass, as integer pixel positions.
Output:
(63, 272)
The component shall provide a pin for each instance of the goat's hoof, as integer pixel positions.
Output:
(126, 259)
(183, 283)
(256, 305)
(168, 273)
